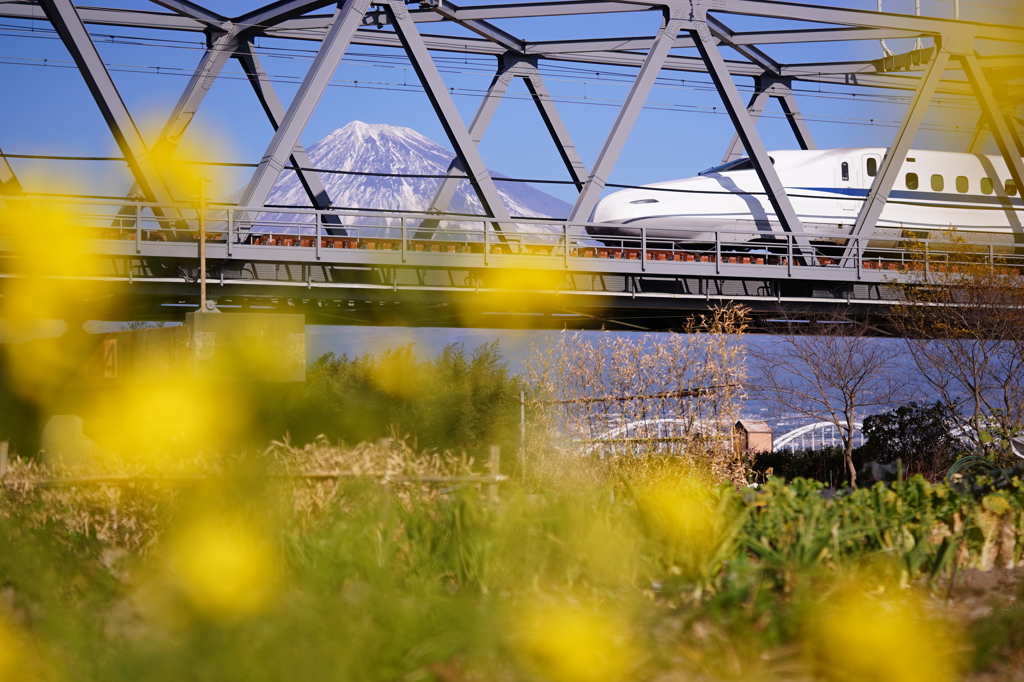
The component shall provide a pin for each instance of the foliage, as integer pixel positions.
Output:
(594, 569)
(963, 324)
(829, 369)
(457, 401)
(820, 464)
(919, 435)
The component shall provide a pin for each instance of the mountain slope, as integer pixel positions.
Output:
(378, 148)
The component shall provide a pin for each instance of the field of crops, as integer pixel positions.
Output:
(584, 571)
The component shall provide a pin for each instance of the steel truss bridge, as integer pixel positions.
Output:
(504, 270)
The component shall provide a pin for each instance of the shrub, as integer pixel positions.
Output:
(458, 401)
(917, 434)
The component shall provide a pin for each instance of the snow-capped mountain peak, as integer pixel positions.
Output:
(379, 148)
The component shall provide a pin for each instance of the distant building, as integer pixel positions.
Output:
(754, 436)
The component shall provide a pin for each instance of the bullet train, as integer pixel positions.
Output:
(934, 192)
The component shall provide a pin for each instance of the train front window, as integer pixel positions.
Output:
(737, 165)
(1011, 188)
(872, 167)
(938, 184)
(846, 171)
(912, 181)
(963, 185)
(986, 186)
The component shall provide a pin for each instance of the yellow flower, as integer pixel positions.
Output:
(569, 642)
(10, 651)
(880, 639)
(226, 568)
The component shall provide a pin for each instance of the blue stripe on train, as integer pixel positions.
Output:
(856, 192)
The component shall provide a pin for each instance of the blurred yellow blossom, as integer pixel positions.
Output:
(564, 641)
(880, 638)
(225, 567)
(11, 647)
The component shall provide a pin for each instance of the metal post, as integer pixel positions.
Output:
(138, 228)
(495, 466)
(220, 46)
(202, 245)
(9, 185)
(522, 433)
(402, 223)
(565, 240)
(231, 229)
(718, 250)
(556, 128)
(643, 248)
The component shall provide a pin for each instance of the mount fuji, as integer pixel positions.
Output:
(378, 148)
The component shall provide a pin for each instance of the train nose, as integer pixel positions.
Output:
(608, 210)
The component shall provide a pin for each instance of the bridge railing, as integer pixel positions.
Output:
(742, 243)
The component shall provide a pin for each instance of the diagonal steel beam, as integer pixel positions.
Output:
(772, 86)
(64, 17)
(747, 131)
(628, 114)
(755, 55)
(275, 111)
(192, 11)
(796, 121)
(1003, 133)
(755, 108)
(510, 65)
(449, 116)
(556, 127)
(489, 31)
(346, 20)
(477, 127)
(894, 158)
(220, 46)
(9, 185)
(276, 12)
(979, 136)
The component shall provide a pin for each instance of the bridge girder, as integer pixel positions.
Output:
(686, 24)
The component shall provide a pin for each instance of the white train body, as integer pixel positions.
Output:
(934, 192)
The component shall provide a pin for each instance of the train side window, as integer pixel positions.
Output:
(986, 186)
(938, 184)
(872, 167)
(1011, 188)
(846, 171)
(963, 185)
(912, 181)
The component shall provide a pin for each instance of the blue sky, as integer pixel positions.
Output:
(679, 133)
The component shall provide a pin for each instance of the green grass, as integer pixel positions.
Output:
(588, 571)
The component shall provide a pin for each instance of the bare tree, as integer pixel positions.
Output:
(828, 369)
(645, 394)
(963, 319)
